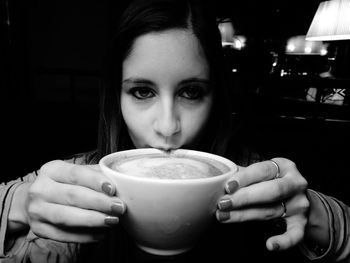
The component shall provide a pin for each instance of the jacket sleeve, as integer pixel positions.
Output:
(26, 246)
(338, 218)
(6, 193)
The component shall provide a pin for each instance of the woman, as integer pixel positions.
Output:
(166, 88)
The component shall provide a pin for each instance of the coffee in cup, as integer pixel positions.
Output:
(169, 166)
(171, 199)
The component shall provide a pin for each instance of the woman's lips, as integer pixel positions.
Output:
(166, 148)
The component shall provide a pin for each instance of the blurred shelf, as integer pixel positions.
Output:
(306, 97)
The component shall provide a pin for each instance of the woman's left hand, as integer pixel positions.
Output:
(264, 191)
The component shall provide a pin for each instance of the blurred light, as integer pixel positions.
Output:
(290, 47)
(308, 50)
(297, 45)
(239, 42)
(331, 21)
(323, 52)
(228, 35)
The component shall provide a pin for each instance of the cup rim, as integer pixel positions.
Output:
(104, 161)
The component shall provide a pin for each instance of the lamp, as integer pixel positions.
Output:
(227, 32)
(331, 21)
(229, 38)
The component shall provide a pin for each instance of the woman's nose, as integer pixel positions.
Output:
(167, 122)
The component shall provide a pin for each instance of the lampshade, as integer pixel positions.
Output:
(227, 31)
(331, 21)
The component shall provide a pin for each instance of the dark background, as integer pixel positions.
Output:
(51, 60)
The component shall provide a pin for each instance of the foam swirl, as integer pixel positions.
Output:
(167, 168)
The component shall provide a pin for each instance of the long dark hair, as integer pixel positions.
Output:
(145, 16)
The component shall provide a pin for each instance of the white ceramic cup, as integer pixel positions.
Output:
(167, 216)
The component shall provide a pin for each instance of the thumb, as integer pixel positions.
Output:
(293, 235)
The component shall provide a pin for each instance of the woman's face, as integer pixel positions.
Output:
(166, 97)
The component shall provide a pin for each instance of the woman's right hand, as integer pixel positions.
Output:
(72, 203)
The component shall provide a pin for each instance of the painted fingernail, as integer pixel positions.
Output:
(275, 246)
(223, 216)
(225, 204)
(117, 209)
(111, 220)
(107, 188)
(231, 186)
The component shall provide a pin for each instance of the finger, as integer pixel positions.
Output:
(298, 204)
(78, 235)
(81, 197)
(254, 173)
(258, 172)
(293, 235)
(250, 214)
(68, 216)
(83, 175)
(266, 192)
(257, 194)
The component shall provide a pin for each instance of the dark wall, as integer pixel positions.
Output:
(271, 18)
(53, 54)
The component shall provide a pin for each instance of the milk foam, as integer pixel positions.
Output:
(166, 167)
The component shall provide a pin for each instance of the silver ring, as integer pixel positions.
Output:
(278, 169)
(284, 209)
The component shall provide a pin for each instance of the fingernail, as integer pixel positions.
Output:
(231, 186)
(111, 220)
(117, 209)
(223, 216)
(225, 204)
(107, 188)
(275, 246)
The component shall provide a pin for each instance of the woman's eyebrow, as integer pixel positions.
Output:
(138, 81)
(195, 79)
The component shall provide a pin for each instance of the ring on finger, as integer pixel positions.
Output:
(278, 169)
(284, 209)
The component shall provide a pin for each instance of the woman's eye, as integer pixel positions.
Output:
(142, 93)
(192, 93)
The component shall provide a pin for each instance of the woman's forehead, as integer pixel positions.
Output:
(167, 52)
